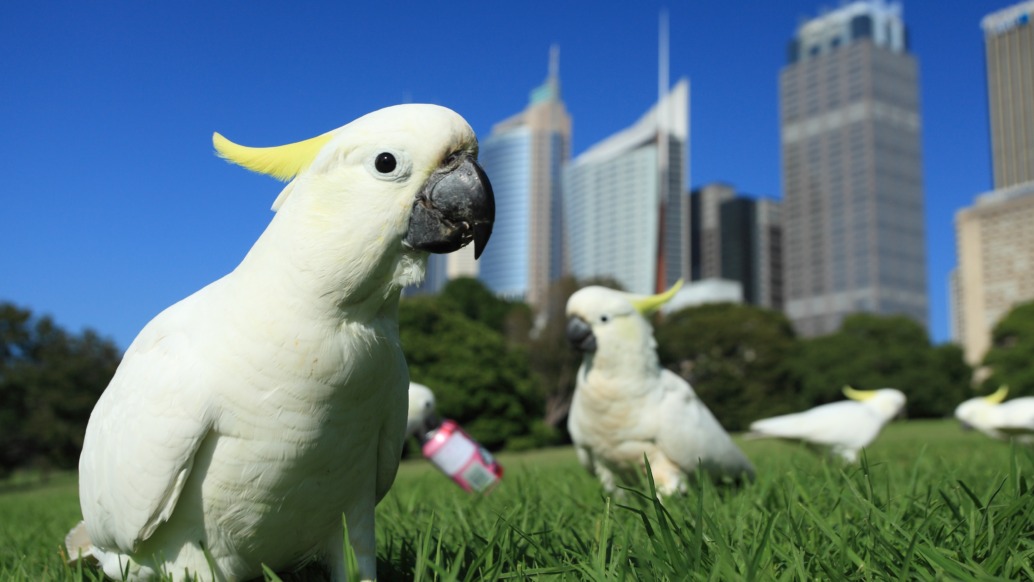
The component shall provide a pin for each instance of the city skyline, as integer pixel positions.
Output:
(122, 209)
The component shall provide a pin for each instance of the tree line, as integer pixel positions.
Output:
(506, 373)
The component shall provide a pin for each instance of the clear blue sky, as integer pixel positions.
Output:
(114, 206)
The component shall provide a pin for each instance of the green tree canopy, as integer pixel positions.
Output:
(737, 357)
(479, 380)
(49, 381)
(1011, 356)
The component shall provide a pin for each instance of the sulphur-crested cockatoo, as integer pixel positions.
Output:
(626, 406)
(422, 416)
(843, 428)
(998, 418)
(247, 418)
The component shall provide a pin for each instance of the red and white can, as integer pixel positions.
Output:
(461, 458)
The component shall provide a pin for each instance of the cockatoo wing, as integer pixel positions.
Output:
(690, 435)
(846, 423)
(145, 430)
(1016, 416)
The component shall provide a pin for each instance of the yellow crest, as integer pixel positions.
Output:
(859, 395)
(999, 395)
(281, 162)
(651, 303)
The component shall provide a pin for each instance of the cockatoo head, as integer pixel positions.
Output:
(422, 417)
(399, 179)
(602, 320)
(887, 402)
(976, 412)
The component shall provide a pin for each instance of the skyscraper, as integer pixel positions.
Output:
(705, 238)
(1009, 44)
(995, 245)
(738, 238)
(852, 169)
(751, 249)
(524, 156)
(626, 211)
(994, 239)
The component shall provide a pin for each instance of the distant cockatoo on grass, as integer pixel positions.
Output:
(246, 419)
(422, 416)
(843, 428)
(626, 406)
(998, 418)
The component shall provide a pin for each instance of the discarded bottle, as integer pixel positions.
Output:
(461, 458)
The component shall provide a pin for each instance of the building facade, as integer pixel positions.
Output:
(625, 202)
(995, 242)
(751, 249)
(737, 238)
(524, 156)
(705, 240)
(994, 238)
(1009, 49)
(852, 170)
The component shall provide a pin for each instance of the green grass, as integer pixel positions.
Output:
(929, 502)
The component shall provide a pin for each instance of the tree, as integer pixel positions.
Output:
(738, 358)
(1012, 351)
(49, 383)
(473, 299)
(478, 379)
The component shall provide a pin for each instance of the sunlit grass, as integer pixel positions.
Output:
(929, 502)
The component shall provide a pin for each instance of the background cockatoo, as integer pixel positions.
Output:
(843, 428)
(626, 405)
(247, 418)
(422, 416)
(998, 418)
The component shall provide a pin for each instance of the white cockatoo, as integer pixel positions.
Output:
(843, 428)
(998, 418)
(247, 418)
(422, 416)
(626, 406)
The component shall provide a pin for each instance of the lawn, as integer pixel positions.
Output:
(929, 502)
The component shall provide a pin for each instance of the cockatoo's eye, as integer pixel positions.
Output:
(604, 318)
(385, 163)
(391, 165)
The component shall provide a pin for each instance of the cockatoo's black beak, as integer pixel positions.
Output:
(455, 206)
(580, 335)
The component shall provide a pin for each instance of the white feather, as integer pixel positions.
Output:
(626, 405)
(421, 409)
(247, 418)
(1012, 419)
(843, 427)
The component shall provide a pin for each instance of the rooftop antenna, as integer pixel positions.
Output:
(663, 123)
(662, 56)
(554, 61)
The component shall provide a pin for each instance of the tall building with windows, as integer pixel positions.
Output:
(852, 169)
(523, 156)
(751, 249)
(625, 201)
(705, 235)
(994, 238)
(995, 246)
(737, 238)
(1009, 45)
